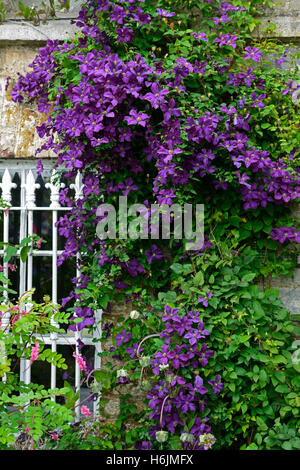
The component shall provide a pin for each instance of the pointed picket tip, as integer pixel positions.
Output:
(55, 186)
(30, 186)
(78, 186)
(7, 185)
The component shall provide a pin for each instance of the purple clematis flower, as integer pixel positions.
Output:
(136, 118)
(216, 384)
(253, 53)
(200, 36)
(154, 253)
(143, 445)
(123, 337)
(198, 385)
(157, 95)
(165, 13)
(204, 300)
(226, 40)
(194, 335)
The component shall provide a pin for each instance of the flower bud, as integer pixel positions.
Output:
(161, 436)
(96, 387)
(134, 314)
(145, 361)
(186, 437)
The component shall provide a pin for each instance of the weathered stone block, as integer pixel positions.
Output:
(112, 407)
(291, 299)
(18, 136)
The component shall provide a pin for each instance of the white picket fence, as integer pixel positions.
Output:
(28, 186)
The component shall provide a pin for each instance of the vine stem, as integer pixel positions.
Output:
(143, 340)
(212, 234)
(89, 374)
(162, 410)
(83, 401)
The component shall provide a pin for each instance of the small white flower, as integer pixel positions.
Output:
(122, 373)
(134, 314)
(163, 367)
(161, 436)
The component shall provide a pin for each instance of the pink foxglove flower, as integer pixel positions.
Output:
(80, 361)
(34, 352)
(85, 411)
(14, 319)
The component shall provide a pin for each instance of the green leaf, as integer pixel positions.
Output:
(24, 253)
(251, 27)
(281, 376)
(261, 423)
(103, 377)
(244, 408)
(249, 277)
(257, 225)
(199, 279)
(282, 388)
(287, 445)
(263, 375)
(70, 392)
(259, 311)
(279, 359)
(177, 268)
(25, 241)
(104, 301)
(9, 252)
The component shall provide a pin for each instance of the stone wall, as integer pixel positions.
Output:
(17, 122)
(20, 41)
(111, 408)
(286, 17)
(290, 288)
